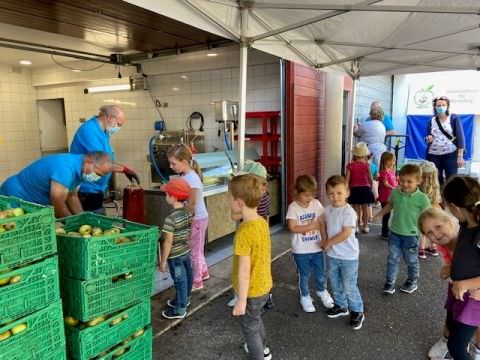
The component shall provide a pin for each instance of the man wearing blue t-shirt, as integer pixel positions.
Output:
(55, 179)
(94, 135)
(387, 120)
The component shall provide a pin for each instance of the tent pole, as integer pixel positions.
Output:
(243, 87)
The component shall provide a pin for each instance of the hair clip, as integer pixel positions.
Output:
(477, 203)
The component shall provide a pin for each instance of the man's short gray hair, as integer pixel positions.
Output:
(99, 158)
(110, 110)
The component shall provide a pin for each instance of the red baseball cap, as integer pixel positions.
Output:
(178, 188)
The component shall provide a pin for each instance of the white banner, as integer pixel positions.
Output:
(464, 95)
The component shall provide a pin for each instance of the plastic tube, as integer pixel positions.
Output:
(163, 178)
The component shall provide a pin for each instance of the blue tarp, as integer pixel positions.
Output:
(417, 130)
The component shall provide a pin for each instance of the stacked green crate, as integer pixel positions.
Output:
(106, 282)
(30, 307)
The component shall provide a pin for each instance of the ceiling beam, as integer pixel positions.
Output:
(285, 41)
(213, 19)
(387, 47)
(427, 63)
(375, 52)
(303, 23)
(376, 8)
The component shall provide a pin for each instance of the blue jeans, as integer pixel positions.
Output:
(343, 276)
(181, 272)
(307, 263)
(406, 246)
(446, 162)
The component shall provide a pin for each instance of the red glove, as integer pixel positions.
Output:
(131, 175)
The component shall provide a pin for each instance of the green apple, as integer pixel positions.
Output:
(18, 212)
(97, 231)
(85, 229)
(60, 231)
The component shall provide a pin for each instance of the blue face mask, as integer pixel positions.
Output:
(91, 178)
(441, 109)
(114, 130)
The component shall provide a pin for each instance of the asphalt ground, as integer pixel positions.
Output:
(398, 326)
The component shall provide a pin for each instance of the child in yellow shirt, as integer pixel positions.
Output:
(252, 276)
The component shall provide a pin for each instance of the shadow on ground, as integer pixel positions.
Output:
(400, 326)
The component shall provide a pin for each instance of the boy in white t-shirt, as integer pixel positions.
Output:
(303, 217)
(342, 250)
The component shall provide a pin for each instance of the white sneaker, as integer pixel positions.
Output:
(327, 300)
(233, 301)
(474, 352)
(267, 355)
(439, 349)
(307, 304)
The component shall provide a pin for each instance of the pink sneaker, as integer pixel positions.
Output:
(197, 286)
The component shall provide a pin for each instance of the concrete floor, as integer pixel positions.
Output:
(401, 326)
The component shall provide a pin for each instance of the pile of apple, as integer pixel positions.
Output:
(72, 322)
(119, 349)
(13, 331)
(87, 231)
(10, 213)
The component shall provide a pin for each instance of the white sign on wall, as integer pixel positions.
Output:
(464, 95)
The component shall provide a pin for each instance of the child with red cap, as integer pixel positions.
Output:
(175, 250)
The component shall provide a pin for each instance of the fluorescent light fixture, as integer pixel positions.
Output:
(212, 54)
(175, 89)
(107, 88)
(76, 70)
(25, 62)
(184, 77)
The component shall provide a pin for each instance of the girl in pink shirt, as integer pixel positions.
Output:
(359, 179)
(387, 181)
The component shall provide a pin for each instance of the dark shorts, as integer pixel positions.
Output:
(361, 195)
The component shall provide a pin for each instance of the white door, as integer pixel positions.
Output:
(53, 128)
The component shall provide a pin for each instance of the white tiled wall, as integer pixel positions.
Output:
(19, 132)
(188, 83)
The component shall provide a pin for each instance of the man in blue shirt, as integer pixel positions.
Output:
(387, 120)
(55, 179)
(94, 135)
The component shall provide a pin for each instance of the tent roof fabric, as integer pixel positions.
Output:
(360, 38)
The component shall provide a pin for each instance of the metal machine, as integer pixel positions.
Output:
(226, 114)
(163, 140)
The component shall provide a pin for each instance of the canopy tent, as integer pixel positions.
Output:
(358, 38)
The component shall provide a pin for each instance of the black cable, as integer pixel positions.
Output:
(196, 115)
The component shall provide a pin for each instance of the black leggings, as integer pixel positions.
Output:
(458, 338)
(385, 219)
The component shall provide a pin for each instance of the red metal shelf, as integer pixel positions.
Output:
(269, 137)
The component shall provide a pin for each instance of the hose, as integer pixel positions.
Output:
(163, 178)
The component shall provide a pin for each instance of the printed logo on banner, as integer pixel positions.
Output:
(423, 98)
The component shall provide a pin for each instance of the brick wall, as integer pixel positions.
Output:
(305, 121)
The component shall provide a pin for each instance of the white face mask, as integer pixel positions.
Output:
(113, 130)
(91, 178)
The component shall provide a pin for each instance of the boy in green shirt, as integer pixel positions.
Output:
(407, 202)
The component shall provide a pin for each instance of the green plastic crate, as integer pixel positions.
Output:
(86, 343)
(33, 237)
(136, 349)
(38, 287)
(87, 258)
(85, 300)
(43, 339)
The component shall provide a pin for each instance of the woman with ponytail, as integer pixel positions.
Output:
(462, 196)
(181, 161)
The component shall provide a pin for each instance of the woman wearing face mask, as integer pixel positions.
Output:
(445, 140)
(94, 135)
